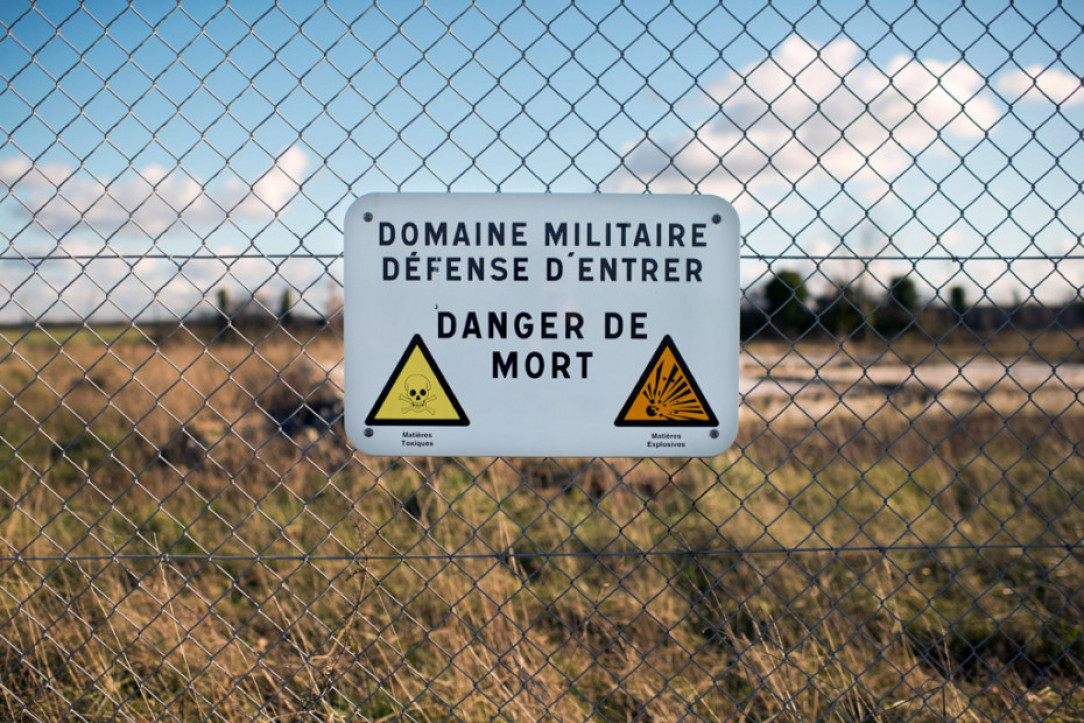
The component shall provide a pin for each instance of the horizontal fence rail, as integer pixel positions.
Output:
(186, 533)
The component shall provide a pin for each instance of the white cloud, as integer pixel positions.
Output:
(1036, 83)
(100, 284)
(279, 185)
(947, 96)
(151, 200)
(829, 112)
(146, 203)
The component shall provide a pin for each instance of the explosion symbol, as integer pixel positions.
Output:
(670, 396)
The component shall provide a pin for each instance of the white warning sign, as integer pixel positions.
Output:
(541, 324)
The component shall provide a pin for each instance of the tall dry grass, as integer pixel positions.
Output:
(187, 533)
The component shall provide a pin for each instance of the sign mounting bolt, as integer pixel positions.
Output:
(369, 216)
(714, 219)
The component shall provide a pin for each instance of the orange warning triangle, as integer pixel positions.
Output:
(417, 394)
(666, 395)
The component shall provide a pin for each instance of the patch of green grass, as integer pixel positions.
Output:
(56, 336)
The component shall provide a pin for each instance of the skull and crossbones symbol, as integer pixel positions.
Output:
(419, 394)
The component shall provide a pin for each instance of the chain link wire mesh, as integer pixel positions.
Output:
(187, 534)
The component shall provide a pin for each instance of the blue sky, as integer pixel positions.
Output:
(935, 137)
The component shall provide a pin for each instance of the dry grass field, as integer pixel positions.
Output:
(186, 534)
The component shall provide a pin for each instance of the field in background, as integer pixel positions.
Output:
(185, 527)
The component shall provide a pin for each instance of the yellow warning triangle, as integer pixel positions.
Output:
(417, 393)
(666, 395)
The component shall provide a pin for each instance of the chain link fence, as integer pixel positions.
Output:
(185, 532)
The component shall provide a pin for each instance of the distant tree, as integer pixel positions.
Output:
(958, 299)
(753, 321)
(904, 294)
(786, 295)
(223, 308)
(286, 307)
(897, 310)
(843, 311)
